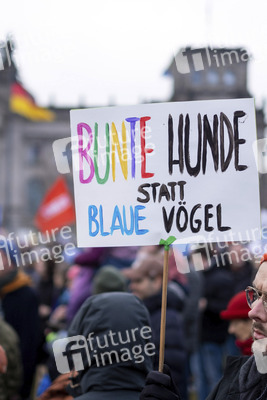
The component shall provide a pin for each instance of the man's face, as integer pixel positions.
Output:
(258, 313)
(145, 286)
(241, 328)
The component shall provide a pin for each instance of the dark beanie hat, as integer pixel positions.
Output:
(237, 307)
(108, 279)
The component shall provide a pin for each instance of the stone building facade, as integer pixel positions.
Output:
(27, 162)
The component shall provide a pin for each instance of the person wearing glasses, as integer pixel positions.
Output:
(244, 378)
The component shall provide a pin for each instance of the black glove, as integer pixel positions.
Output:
(160, 386)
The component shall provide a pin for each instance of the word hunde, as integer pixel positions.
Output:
(222, 150)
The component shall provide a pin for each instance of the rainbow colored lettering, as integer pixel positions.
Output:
(113, 145)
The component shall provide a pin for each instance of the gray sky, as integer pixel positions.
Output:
(116, 51)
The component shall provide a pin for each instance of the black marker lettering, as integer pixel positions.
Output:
(144, 192)
(193, 171)
(238, 114)
(208, 215)
(219, 219)
(213, 142)
(225, 162)
(164, 192)
(168, 220)
(181, 228)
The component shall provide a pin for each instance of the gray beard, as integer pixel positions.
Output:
(259, 350)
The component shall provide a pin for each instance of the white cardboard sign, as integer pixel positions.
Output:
(146, 172)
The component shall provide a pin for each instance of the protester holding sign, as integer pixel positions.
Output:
(245, 378)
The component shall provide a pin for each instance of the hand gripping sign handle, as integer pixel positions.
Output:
(166, 244)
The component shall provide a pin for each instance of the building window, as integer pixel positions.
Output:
(36, 191)
(33, 153)
(197, 77)
(229, 78)
(213, 77)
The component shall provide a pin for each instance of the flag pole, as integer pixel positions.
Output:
(166, 244)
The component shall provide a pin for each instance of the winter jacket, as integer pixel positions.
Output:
(91, 257)
(241, 381)
(10, 382)
(218, 290)
(191, 313)
(20, 307)
(113, 370)
(175, 347)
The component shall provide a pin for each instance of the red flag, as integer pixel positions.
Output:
(56, 209)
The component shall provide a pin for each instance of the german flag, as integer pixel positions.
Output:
(22, 103)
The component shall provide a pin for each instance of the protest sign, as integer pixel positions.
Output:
(146, 172)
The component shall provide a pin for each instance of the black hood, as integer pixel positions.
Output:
(116, 323)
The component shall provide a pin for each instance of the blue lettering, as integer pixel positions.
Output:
(116, 215)
(101, 222)
(92, 213)
(128, 231)
(137, 219)
(119, 221)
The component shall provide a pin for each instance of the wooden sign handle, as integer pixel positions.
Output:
(163, 309)
(166, 244)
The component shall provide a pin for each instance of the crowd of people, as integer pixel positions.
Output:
(112, 298)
